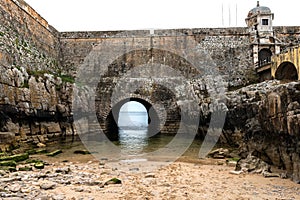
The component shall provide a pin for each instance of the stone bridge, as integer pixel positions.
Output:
(157, 72)
(38, 65)
(286, 66)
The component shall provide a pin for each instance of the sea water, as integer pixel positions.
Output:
(133, 132)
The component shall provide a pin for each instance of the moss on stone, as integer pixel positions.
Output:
(26, 168)
(7, 168)
(41, 151)
(33, 161)
(31, 151)
(67, 78)
(37, 73)
(8, 163)
(113, 181)
(2, 154)
(54, 153)
(25, 84)
(39, 165)
(16, 158)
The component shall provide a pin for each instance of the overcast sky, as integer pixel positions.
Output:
(100, 15)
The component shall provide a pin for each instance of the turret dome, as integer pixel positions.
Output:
(259, 10)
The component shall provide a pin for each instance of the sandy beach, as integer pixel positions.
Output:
(89, 179)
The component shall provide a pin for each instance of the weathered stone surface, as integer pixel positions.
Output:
(7, 137)
(252, 164)
(267, 116)
(219, 153)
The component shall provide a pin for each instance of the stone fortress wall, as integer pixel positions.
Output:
(38, 66)
(30, 82)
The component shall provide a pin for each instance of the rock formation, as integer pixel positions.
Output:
(266, 116)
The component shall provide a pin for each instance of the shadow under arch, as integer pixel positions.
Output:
(286, 71)
(264, 56)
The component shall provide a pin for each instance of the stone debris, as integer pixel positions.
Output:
(175, 181)
(219, 153)
(47, 185)
(150, 175)
(252, 164)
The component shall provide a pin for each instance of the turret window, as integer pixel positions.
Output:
(265, 22)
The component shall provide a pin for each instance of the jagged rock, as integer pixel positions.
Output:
(267, 116)
(219, 153)
(61, 108)
(270, 175)
(7, 137)
(51, 127)
(252, 164)
(231, 163)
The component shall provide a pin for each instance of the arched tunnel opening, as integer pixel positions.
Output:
(133, 124)
(264, 56)
(119, 119)
(120, 86)
(286, 71)
(133, 115)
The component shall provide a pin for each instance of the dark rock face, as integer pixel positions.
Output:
(268, 117)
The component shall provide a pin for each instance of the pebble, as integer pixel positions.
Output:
(79, 189)
(236, 172)
(47, 185)
(232, 163)
(2, 173)
(41, 145)
(58, 197)
(150, 175)
(14, 188)
(79, 181)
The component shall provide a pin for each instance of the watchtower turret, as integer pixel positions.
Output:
(260, 25)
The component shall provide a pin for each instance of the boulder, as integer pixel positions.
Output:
(7, 137)
(267, 117)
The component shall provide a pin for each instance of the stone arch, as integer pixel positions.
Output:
(113, 116)
(155, 117)
(264, 56)
(286, 71)
(153, 93)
